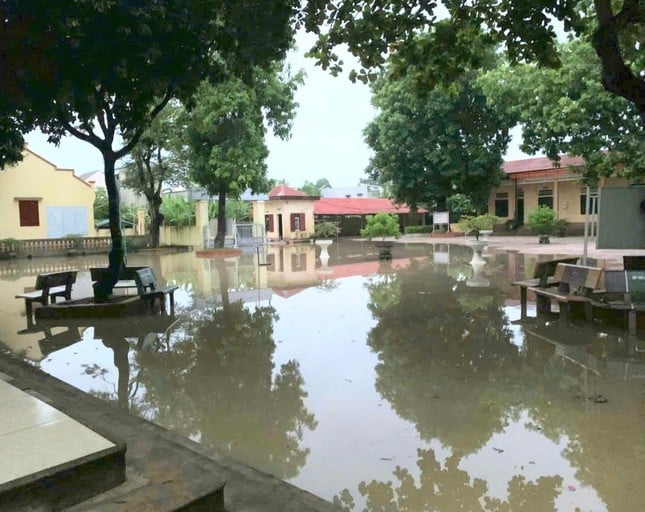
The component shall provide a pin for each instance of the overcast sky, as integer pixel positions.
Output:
(327, 136)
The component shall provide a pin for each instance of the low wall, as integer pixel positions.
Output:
(65, 246)
(181, 236)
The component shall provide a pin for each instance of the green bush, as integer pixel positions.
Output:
(560, 227)
(413, 230)
(325, 229)
(472, 225)
(542, 220)
(381, 225)
(178, 211)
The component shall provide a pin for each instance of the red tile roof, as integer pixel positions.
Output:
(541, 163)
(285, 192)
(358, 206)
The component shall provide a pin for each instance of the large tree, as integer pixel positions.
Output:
(315, 189)
(109, 67)
(154, 164)
(567, 111)
(431, 146)
(226, 150)
(374, 30)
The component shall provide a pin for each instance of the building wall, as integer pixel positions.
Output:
(286, 207)
(566, 196)
(36, 179)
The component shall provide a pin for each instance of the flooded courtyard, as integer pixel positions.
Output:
(405, 385)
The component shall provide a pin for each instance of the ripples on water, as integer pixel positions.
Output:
(399, 386)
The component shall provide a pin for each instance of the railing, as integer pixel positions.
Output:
(64, 246)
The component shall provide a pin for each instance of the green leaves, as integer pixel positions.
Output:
(431, 145)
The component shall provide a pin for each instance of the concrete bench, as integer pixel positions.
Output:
(542, 277)
(50, 285)
(575, 285)
(150, 292)
(624, 291)
(126, 276)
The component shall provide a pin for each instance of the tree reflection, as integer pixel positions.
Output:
(441, 346)
(217, 383)
(446, 487)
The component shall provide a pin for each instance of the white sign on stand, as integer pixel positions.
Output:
(440, 219)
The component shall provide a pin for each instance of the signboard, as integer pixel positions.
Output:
(440, 217)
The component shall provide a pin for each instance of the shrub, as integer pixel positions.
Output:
(325, 229)
(471, 225)
(560, 227)
(542, 220)
(413, 230)
(178, 211)
(381, 225)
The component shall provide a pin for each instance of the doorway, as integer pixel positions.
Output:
(280, 234)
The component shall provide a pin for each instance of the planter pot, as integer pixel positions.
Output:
(384, 250)
(484, 234)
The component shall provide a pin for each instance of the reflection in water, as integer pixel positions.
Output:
(392, 386)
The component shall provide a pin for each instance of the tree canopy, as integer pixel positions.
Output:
(375, 31)
(225, 146)
(100, 70)
(430, 146)
(567, 111)
(315, 189)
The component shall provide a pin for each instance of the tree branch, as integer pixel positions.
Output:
(617, 77)
(90, 137)
(139, 132)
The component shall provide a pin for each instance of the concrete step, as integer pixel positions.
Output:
(49, 460)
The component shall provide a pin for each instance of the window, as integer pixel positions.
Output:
(501, 204)
(28, 213)
(297, 222)
(298, 262)
(545, 197)
(594, 200)
(268, 223)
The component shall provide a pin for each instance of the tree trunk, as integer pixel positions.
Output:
(156, 220)
(221, 220)
(116, 258)
(220, 265)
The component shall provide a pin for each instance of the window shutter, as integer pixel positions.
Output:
(268, 222)
(302, 222)
(293, 221)
(28, 213)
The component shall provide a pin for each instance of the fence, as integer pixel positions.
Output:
(64, 246)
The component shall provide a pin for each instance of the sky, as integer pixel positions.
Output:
(327, 135)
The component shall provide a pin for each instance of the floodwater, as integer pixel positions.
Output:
(382, 386)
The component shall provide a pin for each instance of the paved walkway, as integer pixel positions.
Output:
(573, 246)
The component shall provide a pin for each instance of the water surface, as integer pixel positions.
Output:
(384, 386)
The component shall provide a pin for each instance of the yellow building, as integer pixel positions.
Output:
(537, 181)
(39, 200)
(287, 215)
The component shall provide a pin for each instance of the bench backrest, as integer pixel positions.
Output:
(615, 281)
(125, 274)
(545, 269)
(577, 278)
(634, 262)
(145, 279)
(636, 285)
(47, 281)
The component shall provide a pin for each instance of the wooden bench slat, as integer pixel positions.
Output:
(49, 285)
(150, 292)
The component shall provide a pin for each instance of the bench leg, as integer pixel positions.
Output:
(172, 302)
(523, 295)
(543, 305)
(28, 309)
(631, 321)
(565, 311)
(588, 312)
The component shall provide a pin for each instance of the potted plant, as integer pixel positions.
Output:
(542, 221)
(560, 227)
(477, 225)
(382, 225)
